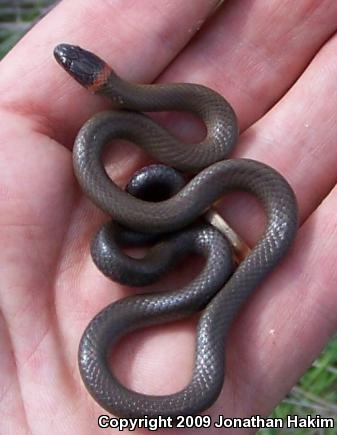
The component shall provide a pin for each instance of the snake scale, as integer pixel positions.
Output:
(170, 224)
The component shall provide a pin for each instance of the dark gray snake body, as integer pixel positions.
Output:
(209, 291)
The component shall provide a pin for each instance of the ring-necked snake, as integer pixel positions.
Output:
(141, 220)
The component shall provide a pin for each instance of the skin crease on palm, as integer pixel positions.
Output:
(275, 61)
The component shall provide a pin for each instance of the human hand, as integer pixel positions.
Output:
(257, 55)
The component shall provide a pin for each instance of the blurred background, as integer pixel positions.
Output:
(316, 392)
(16, 17)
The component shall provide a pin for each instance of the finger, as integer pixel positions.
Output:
(252, 52)
(11, 404)
(138, 38)
(297, 137)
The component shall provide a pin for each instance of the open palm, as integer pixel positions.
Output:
(276, 63)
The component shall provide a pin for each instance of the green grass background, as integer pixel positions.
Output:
(316, 392)
(16, 16)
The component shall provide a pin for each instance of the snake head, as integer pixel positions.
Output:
(85, 67)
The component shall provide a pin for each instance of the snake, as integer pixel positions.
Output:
(163, 206)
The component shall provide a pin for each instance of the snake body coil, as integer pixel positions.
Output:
(209, 291)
